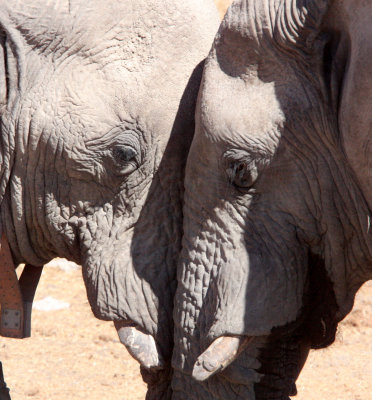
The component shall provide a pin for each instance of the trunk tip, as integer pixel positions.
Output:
(200, 372)
(221, 353)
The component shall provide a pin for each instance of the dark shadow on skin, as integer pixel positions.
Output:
(315, 328)
(163, 279)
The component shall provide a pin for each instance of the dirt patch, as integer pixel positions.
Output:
(222, 6)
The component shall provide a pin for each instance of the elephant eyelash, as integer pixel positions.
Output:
(124, 154)
(120, 150)
(126, 157)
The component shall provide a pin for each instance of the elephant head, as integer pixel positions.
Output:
(278, 196)
(97, 114)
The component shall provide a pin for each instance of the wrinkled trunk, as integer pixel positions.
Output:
(266, 368)
(129, 272)
(117, 291)
(276, 302)
(139, 300)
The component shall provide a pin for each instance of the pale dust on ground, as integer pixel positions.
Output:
(73, 356)
(222, 6)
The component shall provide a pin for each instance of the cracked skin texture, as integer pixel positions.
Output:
(97, 114)
(277, 205)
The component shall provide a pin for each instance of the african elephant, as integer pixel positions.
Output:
(278, 196)
(97, 114)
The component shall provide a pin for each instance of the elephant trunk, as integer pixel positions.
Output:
(221, 295)
(211, 367)
(220, 341)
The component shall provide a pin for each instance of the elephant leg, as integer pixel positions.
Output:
(4, 390)
(158, 383)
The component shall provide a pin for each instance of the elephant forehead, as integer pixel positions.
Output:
(88, 100)
(135, 67)
(132, 33)
(76, 98)
(240, 112)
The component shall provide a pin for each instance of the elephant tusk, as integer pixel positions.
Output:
(222, 352)
(140, 346)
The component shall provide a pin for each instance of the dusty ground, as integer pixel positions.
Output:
(344, 370)
(222, 6)
(73, 356)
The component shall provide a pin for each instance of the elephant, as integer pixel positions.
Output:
(278, 197)
(97, 107)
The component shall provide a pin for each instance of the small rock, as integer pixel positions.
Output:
(63, 264)
(50, 304)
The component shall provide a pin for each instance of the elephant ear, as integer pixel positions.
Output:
(297, 23)
(3, 69)
(351, 23)
(10, 85)
(290, 23)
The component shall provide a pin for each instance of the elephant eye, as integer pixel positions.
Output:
(124, 153)
(126, 158)
(242, 174)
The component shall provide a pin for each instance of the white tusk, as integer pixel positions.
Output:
(140, 346)
(222, 352)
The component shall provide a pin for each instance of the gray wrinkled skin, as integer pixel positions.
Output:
(97, 102)
(278, 189)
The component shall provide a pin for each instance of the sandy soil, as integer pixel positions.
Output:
(343, 371)
(222, 6)
(73, 356)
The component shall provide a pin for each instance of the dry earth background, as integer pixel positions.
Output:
(73, 356)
